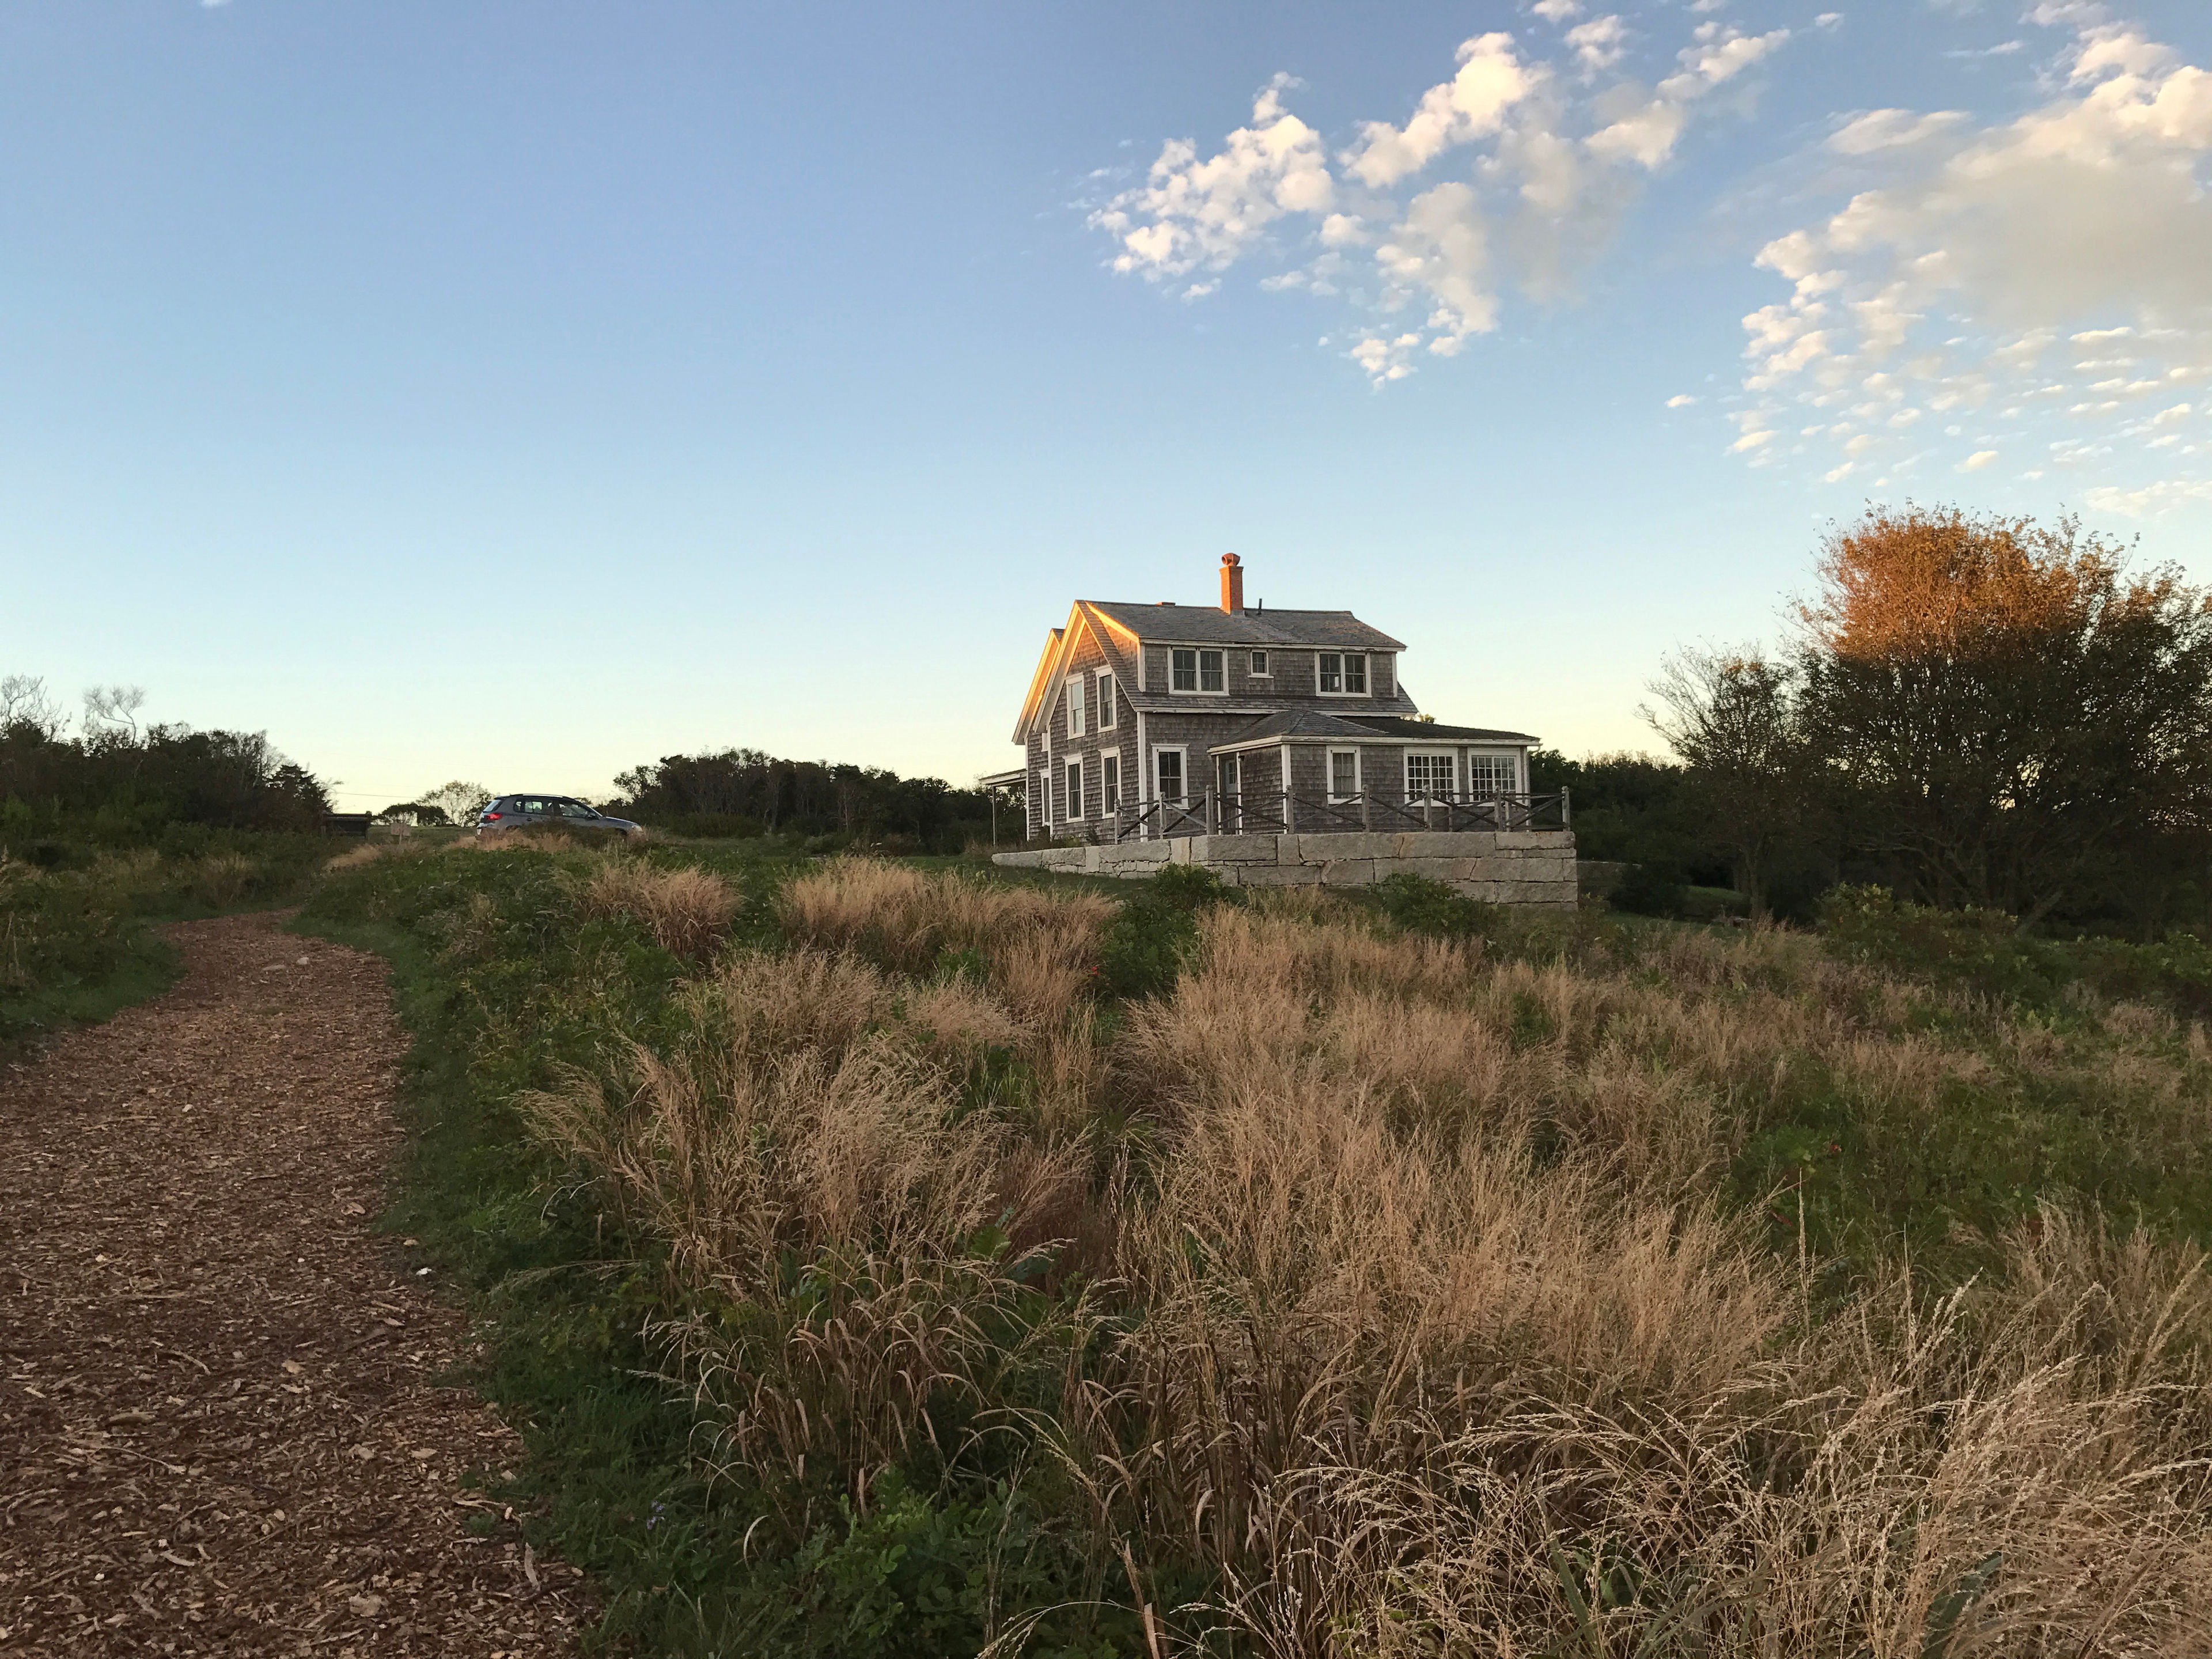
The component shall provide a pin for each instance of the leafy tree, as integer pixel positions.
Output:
(1737, 721)
(454, 803)
(2010, 716)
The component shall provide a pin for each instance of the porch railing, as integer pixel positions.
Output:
(1273, 812)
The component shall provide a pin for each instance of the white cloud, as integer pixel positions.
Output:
(1599, 43)
(1828, 20)
(1968, 254)
(1978, 461)
(1509, 177)
(1680, 400)
(1190, 213)
(1471, 104)
(1890, 129)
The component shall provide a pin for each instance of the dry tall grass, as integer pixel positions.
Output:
(687, 910)
(1430, 1335)
(1041, 947)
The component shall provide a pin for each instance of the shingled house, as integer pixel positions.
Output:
(1151, 720)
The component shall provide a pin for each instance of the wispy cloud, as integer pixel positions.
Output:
(2037, 283)
(1508, 177)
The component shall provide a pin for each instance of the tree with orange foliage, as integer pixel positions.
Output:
(2014, 718)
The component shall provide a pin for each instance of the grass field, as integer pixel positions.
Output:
(897, 1260)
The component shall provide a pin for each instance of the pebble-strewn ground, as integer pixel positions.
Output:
(221, 1430)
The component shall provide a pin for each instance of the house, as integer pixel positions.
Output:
(1146, 722)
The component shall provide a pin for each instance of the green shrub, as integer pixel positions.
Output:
(1422, 906)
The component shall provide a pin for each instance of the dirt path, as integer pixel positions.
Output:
(220, 1430)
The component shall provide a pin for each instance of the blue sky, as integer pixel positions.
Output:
(520, 392)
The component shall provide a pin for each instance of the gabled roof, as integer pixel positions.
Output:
(1191, 624)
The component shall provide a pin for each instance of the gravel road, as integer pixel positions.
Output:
(222, 1428)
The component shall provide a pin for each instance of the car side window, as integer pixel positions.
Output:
(527, 805)
(576, 809)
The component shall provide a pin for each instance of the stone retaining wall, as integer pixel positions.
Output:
(1505, 866)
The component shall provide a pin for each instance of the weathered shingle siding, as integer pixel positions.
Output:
(1290, 683)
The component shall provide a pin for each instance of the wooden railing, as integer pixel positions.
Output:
(1273, 812)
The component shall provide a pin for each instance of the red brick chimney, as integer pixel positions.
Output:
(1232, 584)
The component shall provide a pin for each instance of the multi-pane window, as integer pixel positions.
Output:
(1343, 774)
(1075, 708)
(1108, 709)
(1074, 791)
(1170, 764)
(1489, 776)
(1045, 799)
(1344, 672)
(1197, 671)
(1428, 777)
(1110, 785)
(1260, 663)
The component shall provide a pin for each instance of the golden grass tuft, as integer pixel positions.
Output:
(687, 910)
(1041, 947)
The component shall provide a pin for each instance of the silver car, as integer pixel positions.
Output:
(522, 811)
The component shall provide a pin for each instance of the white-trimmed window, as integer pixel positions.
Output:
(1074, 798)
(1109, 711)
(1044, 798)
(1343, 774)
(1429, 774)
(1196, 670)
(1341, 673)
(1110, 785)
(1168, 773)
(1259, 666)
(1489, 776)
(1075, 706)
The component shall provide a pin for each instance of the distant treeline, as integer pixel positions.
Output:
(744, 792)
(114, 784)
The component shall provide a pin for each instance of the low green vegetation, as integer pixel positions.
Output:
(884, 1260)
(77, 922)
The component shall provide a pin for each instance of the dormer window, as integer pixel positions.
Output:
(1343, 673)
(1260, 664)
(1194, 670)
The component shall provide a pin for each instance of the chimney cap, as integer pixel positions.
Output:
(1230, 558)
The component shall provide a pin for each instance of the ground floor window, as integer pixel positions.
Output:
(1489, 776)
(1074, 805)
(1109, 783)
(1169, 765)
(1343, 774)
(1429, 777)
(1044, 798)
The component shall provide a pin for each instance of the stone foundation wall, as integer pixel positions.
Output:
(1506, 866)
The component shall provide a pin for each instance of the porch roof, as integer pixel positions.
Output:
(1314, 725)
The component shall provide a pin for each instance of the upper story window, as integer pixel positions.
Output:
(1260, 664)
(1108, 711)
(1075, 708)
(1344, 673)
(1194, 670)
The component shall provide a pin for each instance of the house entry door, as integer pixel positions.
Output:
(1232, 797)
